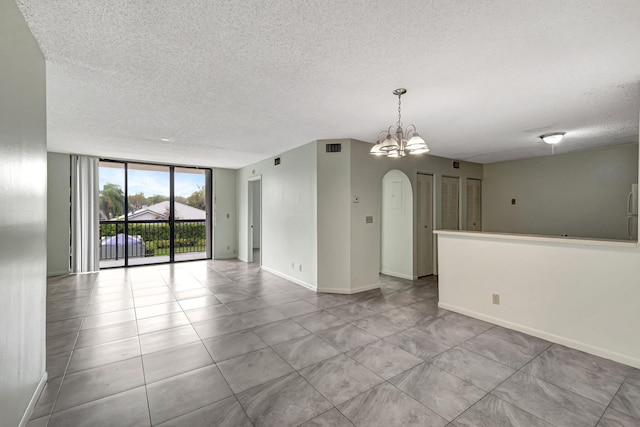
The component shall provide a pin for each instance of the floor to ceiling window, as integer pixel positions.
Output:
(152, 214)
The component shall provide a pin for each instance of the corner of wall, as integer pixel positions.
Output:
(23, 219)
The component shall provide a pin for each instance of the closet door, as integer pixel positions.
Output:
(424, 224)
(474, 204)
(450, 206)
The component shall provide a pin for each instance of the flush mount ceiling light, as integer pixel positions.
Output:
(552, 138)
(398, 142)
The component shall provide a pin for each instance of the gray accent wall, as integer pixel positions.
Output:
(23, 217)
(581, 194)
(58, 213)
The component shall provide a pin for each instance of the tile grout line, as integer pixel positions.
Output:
(215, 363)
(144, 375)
(64, 374)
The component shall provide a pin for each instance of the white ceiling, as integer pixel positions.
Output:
(233, 82)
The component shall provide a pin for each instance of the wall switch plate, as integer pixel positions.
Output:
(356, 199)
(300, 267)
(496, 299)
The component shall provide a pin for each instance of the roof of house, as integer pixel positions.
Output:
(161, 211)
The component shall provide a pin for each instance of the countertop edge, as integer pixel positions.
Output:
(578, 241)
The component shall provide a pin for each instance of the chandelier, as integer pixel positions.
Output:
(398, 142)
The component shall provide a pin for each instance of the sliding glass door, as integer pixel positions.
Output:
(152, 214)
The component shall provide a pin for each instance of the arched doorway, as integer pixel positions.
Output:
(396, 235)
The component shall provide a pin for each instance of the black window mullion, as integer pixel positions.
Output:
(172, 249)
(126, 216)
(209, 209)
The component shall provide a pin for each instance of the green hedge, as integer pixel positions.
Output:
(156, 236)
(179, 243)
(154, 232)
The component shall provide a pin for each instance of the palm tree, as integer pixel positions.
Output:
(112, 200)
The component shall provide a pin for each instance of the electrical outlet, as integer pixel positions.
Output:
(496, 299)
(293, 265)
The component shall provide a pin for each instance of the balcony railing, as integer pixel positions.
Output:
(151, 238)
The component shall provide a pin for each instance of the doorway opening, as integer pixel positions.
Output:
(254, 229)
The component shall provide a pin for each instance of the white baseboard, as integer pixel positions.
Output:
(291, 279)
(400, 275)
(34, 399)
(350, 291)
(225, 257)
(577, 345)
(57, 273)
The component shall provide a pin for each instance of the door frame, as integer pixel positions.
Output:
(250, 182)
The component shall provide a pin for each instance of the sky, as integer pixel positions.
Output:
(152, 182)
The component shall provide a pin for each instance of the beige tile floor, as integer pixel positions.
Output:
(222, 343)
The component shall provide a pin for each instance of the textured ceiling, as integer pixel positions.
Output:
(229, 83)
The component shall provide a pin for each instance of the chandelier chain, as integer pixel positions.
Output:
(399, 124)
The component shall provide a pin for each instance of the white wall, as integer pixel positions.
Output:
(334, 218)
(581, 194)
(58, 214)
(23, 217)
(585, 297)
(397, 221)
(366, 184)
(289, 214)
(225, 229)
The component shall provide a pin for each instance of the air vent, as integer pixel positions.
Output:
(276, 161)
(334, 148)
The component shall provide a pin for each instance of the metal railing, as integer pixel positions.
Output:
(151, 238)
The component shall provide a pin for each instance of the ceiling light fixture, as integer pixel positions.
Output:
(552, 138)
(398, 142)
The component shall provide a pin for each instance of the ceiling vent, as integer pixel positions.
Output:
(334, 148)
